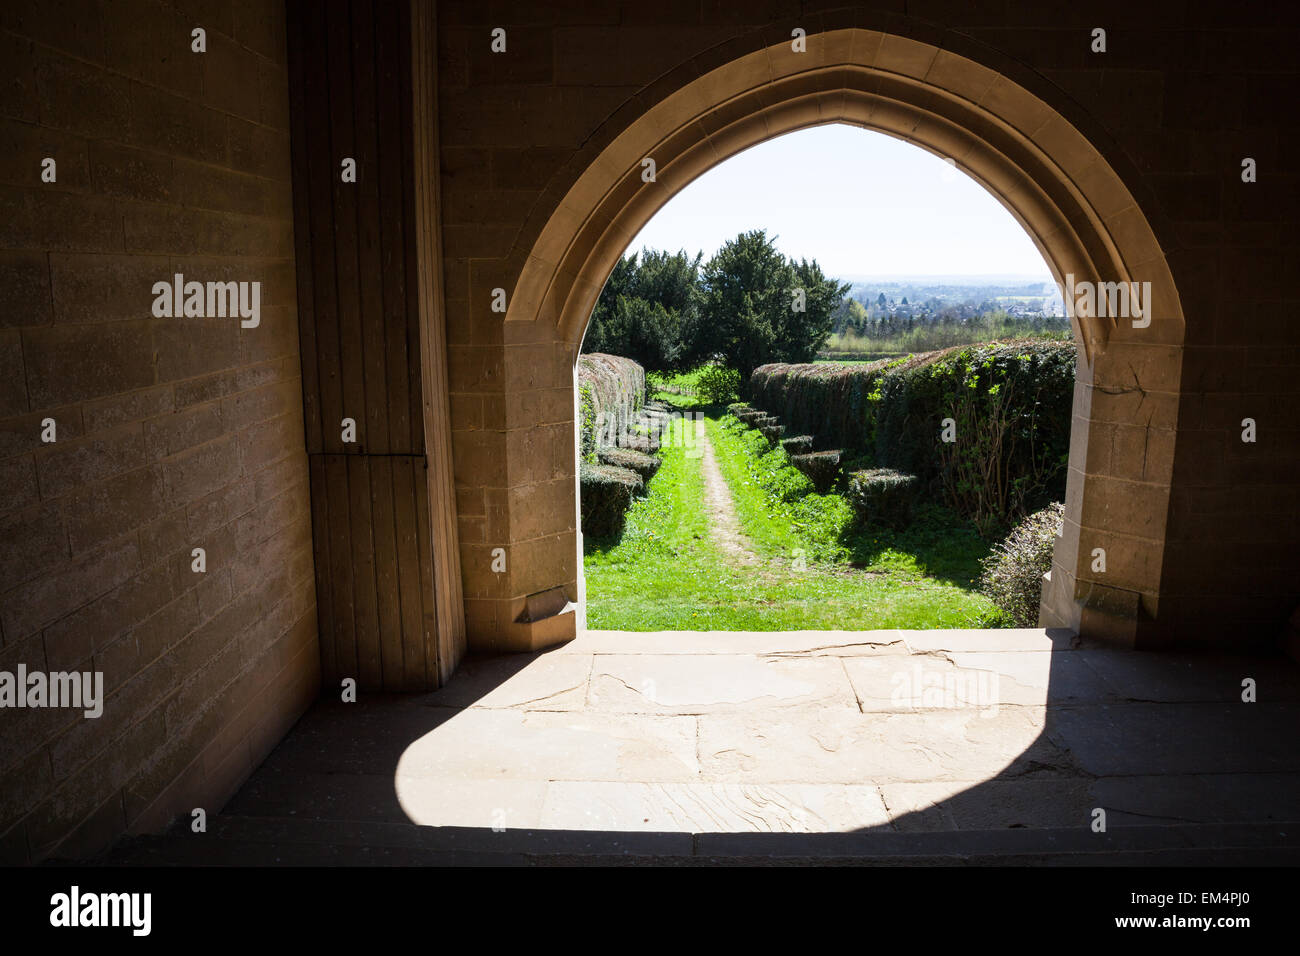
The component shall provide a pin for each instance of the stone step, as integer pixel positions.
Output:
(268, 841)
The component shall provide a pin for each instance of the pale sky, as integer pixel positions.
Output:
(859, 202)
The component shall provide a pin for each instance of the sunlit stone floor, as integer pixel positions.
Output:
(802, 732)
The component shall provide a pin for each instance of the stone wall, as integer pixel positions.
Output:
(170, 433)
(1180, 97)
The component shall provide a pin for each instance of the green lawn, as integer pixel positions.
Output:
(665, 573)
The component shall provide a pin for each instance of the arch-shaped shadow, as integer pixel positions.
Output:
(446, 777)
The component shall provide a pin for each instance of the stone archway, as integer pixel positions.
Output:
(1044, 171)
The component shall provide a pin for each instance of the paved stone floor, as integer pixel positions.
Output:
(953, 737)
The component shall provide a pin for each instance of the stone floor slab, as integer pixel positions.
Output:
(984, 639)
(460, 802)
(763, 643)
(546, 681)
(480, 743)
(713, 807)
(1128, 739)
(1193, 677)
(695, 684)
(830, 745)
(983, 681)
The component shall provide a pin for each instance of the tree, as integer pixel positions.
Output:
(751, 311)
(643, 309)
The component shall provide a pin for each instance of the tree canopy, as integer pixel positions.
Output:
(746, 306)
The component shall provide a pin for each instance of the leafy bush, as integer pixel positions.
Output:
(1013, 573)
(1011, 402)
(773, 470)
(606, 493)
(821, 467)
(797, 445)
(643, 465)
(718, 384)
(882, 496)
(772, 432)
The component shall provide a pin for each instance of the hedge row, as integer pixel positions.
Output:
(606, 492)
(891, 412)
(611, 390)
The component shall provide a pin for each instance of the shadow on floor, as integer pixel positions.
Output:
(883, 746)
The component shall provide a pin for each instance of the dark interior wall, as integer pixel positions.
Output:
(172, 433)
(350, 84)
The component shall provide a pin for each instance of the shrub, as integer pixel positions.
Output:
(821, 467)
(772, 432)
(645, 444)
(718, 384)
(882, 496)
(798, 445)
(735, 408)
(643, 465)
(1011, 401)
(606, 493)
(611, 389)
(1013, 573)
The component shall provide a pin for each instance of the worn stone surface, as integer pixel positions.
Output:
(696, 684)
(712, 807)
(521, 755)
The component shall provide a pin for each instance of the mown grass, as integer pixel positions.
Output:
(814, 572)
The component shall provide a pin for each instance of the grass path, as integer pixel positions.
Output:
(724, 524)
(704, 550)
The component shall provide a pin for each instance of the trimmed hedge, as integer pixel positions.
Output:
(1013, 573)
(891, 412)
(821, 467)
(797, 445)
(645, 444)
(611, 390)
(772, 432)
(606, 492)
(882, 496)
(643, 465)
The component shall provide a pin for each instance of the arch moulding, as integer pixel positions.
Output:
(1037, 164)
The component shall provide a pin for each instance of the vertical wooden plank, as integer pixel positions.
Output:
(370, 275)
(300, 62)
(389, 43)
(410, 127)
(449, 607)
(366, 610)
(351, 346)
(382, 516)
(415, 665)
(320, 539)
(345, 637)
(429, 618)
(321, 172)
